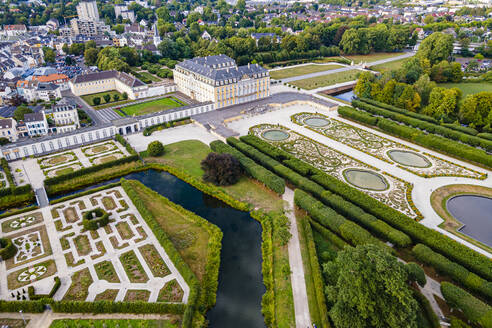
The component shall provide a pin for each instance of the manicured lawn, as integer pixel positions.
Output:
(389, 66)
(149, 76)
(111, 323)
(179, 229)
(89, 98)
(64, 171)
(468, 88)
(187, 156)
(326, 80)
(151, 106)
(373, 57)
(301, 70)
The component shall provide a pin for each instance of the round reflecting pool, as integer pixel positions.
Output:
(275, 135)
(316, 122)
(475, 214)
(365, 179)
(409, 158)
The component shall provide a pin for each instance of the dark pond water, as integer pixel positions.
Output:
(347, 96)
(240, 279)
(475, 212)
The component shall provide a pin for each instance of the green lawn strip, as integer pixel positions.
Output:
(113, 104)
(187, 155)
(393, 65)
(326, 80)
(468, 88)
(112, 323)
(373, 57)
(149, 76)
(90, 98)
(301, 70)
(152, 106)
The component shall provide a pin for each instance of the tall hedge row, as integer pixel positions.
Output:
(429, 127)
(36, 306)
(258, 172)
(452, 249)
(117, 307)
(457, 272)
(7, 249)
(474, 309)
(330, 219)
(125, 143)
(318, 282)
(369, 221)
(14, 196)
(349, 112)
(399, 110)
(328, 235)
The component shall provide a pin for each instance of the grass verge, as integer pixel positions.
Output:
(301, 70)
(326, 80)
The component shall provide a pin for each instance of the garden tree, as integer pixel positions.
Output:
(221, 169)
(4, 141)
(116, 97)
(20, 112)
(436, 47)
(124, 96)
(65, 48)
(96, 101)
(367, 287)
(90, 56)
(163, 13)
(350, 42)
(363, 86)
(118, 28)
(409, 99)
(48, 55)
(477, 109)
(398, 38)
(77, 49)
(443, 103)
(107, 97)
(424, 87)
(90, 44)
(378, 37)
(69, 61)
(447, 72)
(155, 148)
(387, 92)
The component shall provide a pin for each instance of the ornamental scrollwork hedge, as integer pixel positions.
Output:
(95, 219)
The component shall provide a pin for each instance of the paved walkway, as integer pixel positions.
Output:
(299, 293)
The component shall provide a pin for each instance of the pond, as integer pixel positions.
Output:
(409, 158)
(475, 214)
(316, 122)
(275, 135)
(240, 279)
(347, 96)
(365, 179)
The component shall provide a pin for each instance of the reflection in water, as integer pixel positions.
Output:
(475, 212)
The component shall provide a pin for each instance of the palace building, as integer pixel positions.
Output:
(220, 80)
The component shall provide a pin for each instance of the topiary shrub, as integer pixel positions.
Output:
(95, 219)
(7, 249)
(221, 169)
(155, 148)
(416, 273)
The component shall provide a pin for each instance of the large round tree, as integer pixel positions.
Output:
(221, 169)
(367, 287)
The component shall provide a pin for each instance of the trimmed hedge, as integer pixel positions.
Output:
(93, 223)
(328, 235)
(328, 218)
(118, 307)
(36, 306)
(319, 285)
(416, 273)
(129, 148)
(20, 211)
(455, 271)
(150, 129)
(485, 135)
(7, 248)
(452, 249)
(258, 172)
(13, 196)
(83, 193)
(427, 309)
(460, 128)
(33, 296)
(399, 110)
(349, 112)
(369, 221)
(431, 128)
(474, 309)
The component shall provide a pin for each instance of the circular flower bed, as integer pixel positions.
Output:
(95, 219)
(7, 249)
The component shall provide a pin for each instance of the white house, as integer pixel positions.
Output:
(8, 129)
(36, 124)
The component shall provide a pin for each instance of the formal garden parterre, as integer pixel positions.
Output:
(119, 261)
(407, 158)
(337, 164)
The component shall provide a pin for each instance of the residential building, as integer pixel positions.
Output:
(66, 117)
(52, 24)
(36, 124)
(87, 11)
(14, 30)
(220, 80)
(48, 91)
(8, 129)
(59, 79)
(88, 28)
(106, 81)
